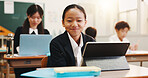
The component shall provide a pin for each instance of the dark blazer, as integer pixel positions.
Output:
(17, 37)
(62, 52)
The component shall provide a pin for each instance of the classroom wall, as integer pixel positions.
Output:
(53, 17)
(12, 21)
(52, 13)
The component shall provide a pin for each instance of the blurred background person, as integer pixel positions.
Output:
(32, 25)
(122, 29)
(91, 31)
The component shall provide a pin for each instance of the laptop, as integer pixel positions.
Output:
(32, 45)
(106, 55)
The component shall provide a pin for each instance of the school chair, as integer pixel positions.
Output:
(44, 62)
(4, 70)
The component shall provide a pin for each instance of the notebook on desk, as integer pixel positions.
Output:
(32, 45)
(106, 55)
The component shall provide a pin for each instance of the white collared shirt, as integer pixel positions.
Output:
(115, 38)
(77, 49)
(35, 30)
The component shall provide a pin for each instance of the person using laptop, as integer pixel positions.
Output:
(66, 49)
(32, 25)
(122, 29)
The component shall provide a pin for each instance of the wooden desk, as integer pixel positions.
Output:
(137, 58)
(134, 72)
(23, 62)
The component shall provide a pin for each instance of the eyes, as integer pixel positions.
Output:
(124, 31)
(71, 20)
(33, 17)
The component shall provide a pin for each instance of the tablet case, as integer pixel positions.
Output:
(109, 63)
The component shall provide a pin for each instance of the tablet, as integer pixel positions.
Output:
(106, 55)
(99, 49)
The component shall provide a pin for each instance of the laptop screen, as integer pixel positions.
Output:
(99, 49)
(31, 45)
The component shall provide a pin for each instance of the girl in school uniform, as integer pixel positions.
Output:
(67, 48)
(32, 25)
(122, 29)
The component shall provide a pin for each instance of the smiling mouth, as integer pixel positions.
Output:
(73, 29)
(34, 23)
(123, 36)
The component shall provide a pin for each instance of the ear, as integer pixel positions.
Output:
(63, 23)
(116, 30)
(27, 15)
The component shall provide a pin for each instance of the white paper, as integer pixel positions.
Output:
(9, 7)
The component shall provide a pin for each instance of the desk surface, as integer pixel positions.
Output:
(135, 71)
(137, 53)
(24, 57)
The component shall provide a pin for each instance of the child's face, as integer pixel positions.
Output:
(122, 33)
(34, 20)
(74, 22)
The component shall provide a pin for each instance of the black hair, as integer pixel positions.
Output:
(91, 31)
(30, 11)
(122, 25)
(73, 6)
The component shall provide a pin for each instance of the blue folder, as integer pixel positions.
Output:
(49, 73)
(32, 45)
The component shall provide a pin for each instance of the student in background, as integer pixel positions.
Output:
(122, 29)
(67, 48)
(32, 25)
(91, 31)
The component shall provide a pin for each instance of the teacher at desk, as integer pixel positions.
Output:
(67, 48)
(32, 25)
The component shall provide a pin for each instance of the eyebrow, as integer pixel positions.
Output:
(72, 17)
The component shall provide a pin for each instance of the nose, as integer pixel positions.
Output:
(74, 24)
(35, 19)
(125, 33)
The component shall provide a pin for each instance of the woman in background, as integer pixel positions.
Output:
(67, 48)
(122, 29)
(32, 25)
